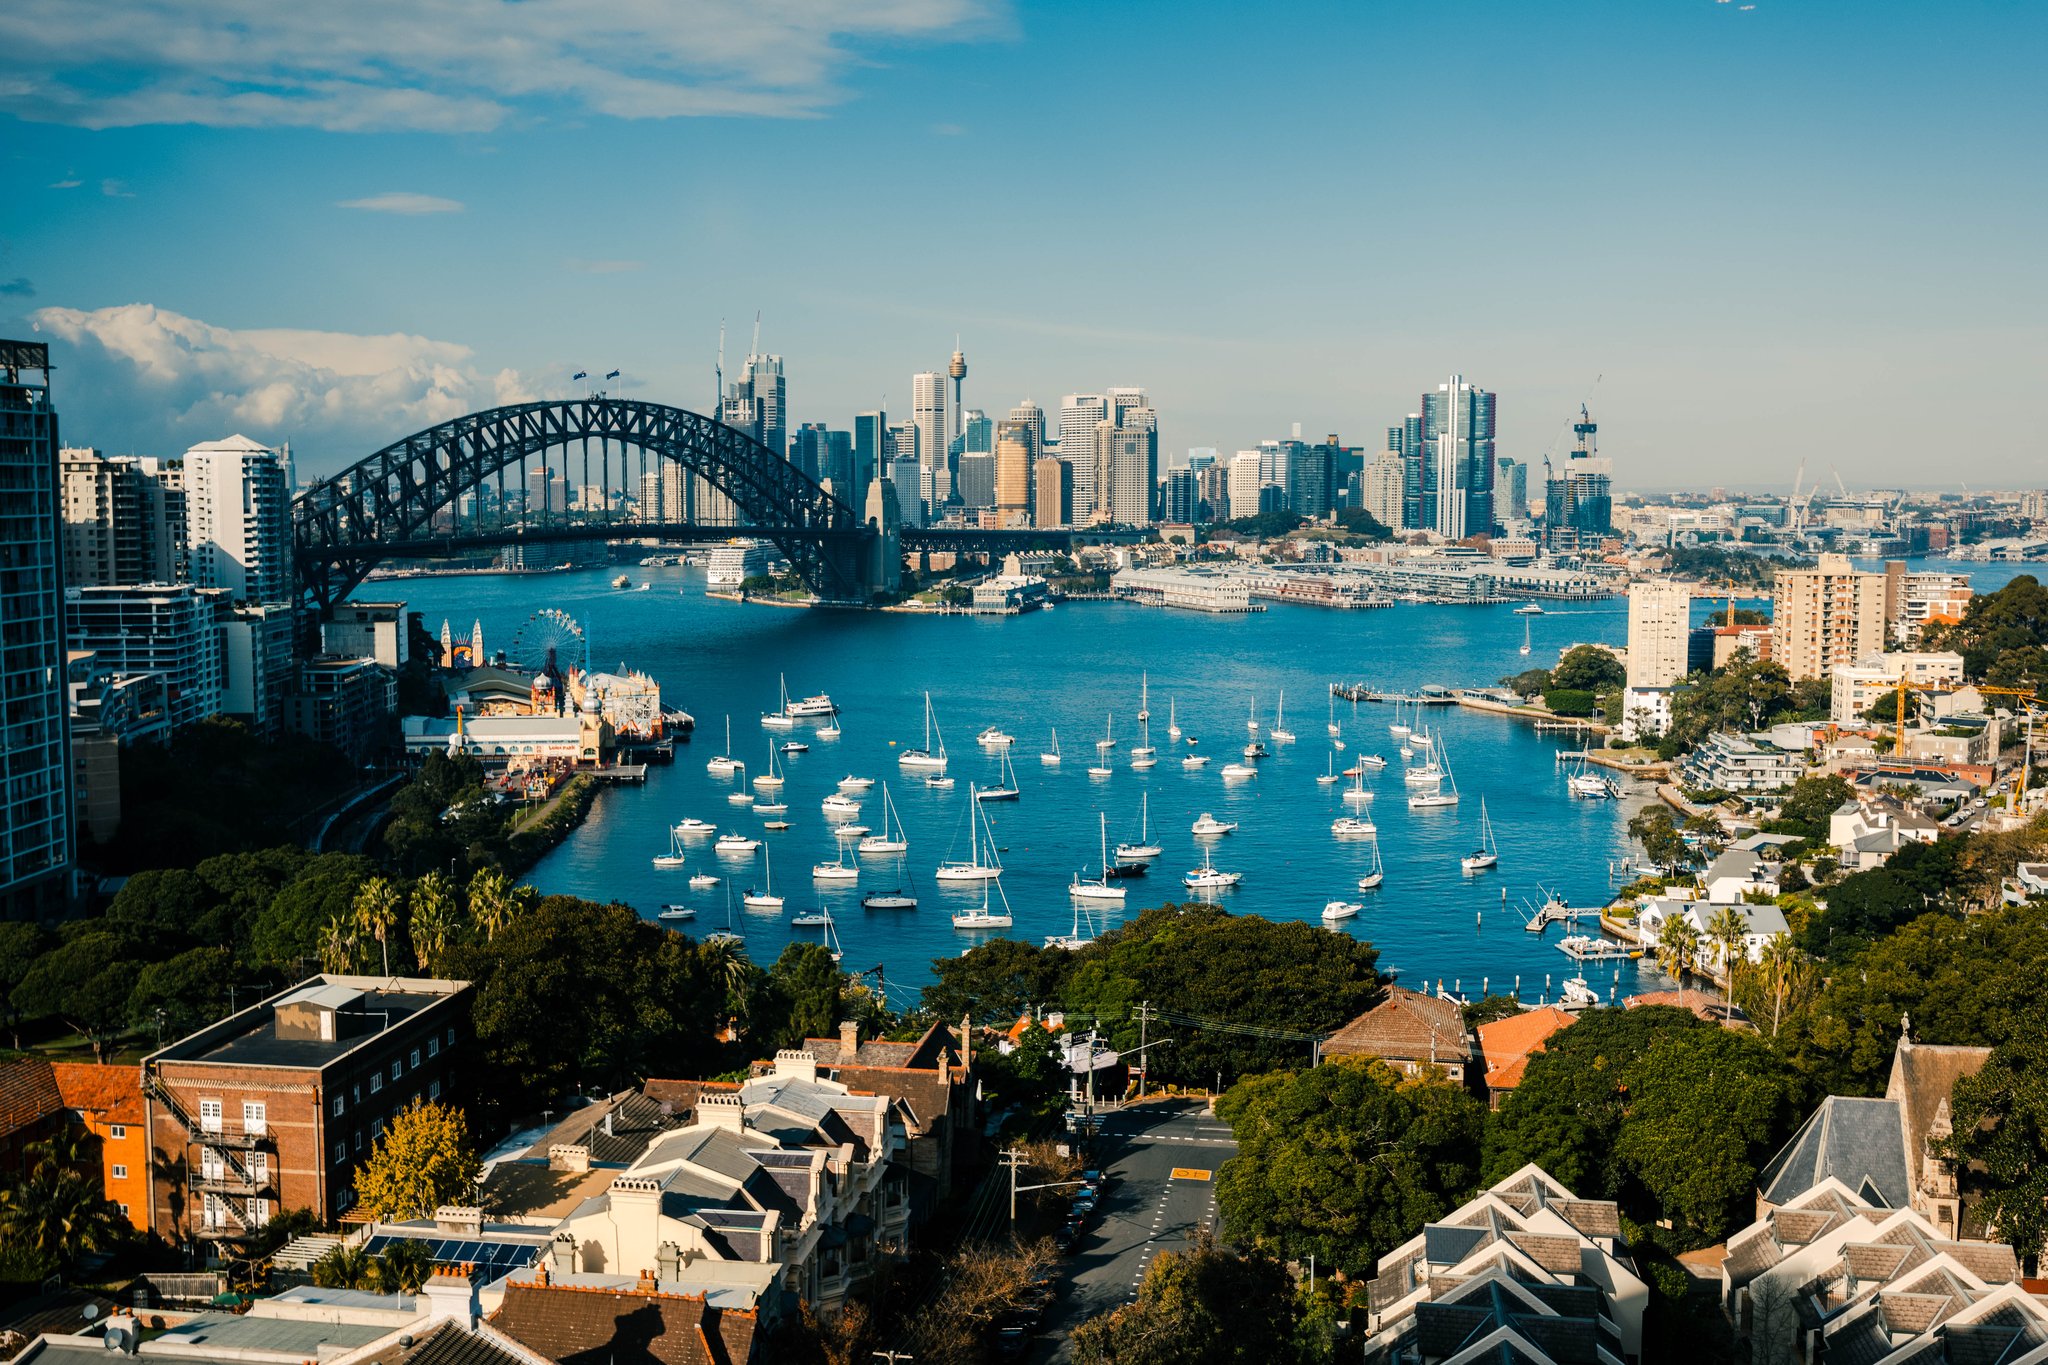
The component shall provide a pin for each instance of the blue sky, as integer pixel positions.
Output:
(1798, 230)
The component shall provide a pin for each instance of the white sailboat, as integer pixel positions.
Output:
(1005, 788)
(672, 859)
(730, 933)
(1397, 729)
(771, 779)
(1334, 728)
(1172, 722)
(1073, 941)
(1356, 794)
(1378, 872)
(1488, 853)
(1051, 757)
(973, 869)
(765, 898)
(1525, 635)
(1444, 794)
(1251, 723)
(1144, 696)
(888, 841)
(1108, 740)
(897, 899)
(1353, 827)
(1281, 734)
(830, 729)
(725, 764)
(1100, 889)
(927, 758)
(780, 718)
(838, 870)
(1328, 779)
(811, 919)
(987, 917)
(1143, 851)
(1143, 748)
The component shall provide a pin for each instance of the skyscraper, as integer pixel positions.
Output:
(1245, 482)
(1032, 416)
(1124, 478)
(1578, 500)
(759, 403)
(1418, 481)
(36, 796)
(977, 433)
(870, 435)
(1458, 425)
(1052, 492)
(976, 485)
(1830, 614)
(1177, 496)
(1144, 456)
(238, 520)
(122, 524)
(1381, 489)
(1080, 414)
(1122, 401)
(928, 414)
(1659, 633)
(1512, 490)
(1016, 452)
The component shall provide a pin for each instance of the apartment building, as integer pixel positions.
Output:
(1831, 614)
(105, 1102)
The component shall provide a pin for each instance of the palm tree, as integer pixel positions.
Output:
(493, 901)
(1780, 963)
(1727, 930)
(56, 1210)
(731, 970)
(1678, 949)
(338, 945)
(435, 920)
(377, 906)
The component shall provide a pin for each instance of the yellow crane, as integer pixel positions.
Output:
(2028, 702)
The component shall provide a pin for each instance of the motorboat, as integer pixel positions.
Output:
(1144, 850)
(887, 841)
(927, 757)
(939, 782)
(1371, 761)
(690, 825)
(1231, 770)
(973, 869)
(1207, 825)
(1280, 733)
(1208, 875)
(1341, 910)
(818, 704)
(1006, 781)
(1488, 853)
(796, 746)
(811, 919)
(855, 785)
(740, 798)
(1099, 889)
(835, 804)
(725, 764)
(853, 831)
(674, 857)
(1051, 757)
(775, 824)
(1529, 609)
(1350, 826)
(676, 912)
(1578, 995)
(699, 881)
(1193, 761)
(1255, 750)
(736, 843)
(994, 738)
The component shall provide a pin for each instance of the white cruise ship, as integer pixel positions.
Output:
(733, 563)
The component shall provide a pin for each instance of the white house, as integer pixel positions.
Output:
(1869, 828)
(1760, 923)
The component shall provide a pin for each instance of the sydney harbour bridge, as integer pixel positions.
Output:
(599, 469)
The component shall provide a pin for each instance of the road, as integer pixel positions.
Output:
(1147, 1209)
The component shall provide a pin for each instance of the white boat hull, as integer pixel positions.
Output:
(1095, 891)
(668, 861)
(884, 846)
(1341, 909)
(981, 921)
(754, 902)
(967, 874)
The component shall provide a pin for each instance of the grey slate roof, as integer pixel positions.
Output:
(1860, 1142)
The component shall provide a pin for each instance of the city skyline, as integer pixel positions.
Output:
(1762, 202)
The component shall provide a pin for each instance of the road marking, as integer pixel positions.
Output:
(1188, 1173)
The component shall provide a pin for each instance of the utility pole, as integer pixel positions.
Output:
(1145, 1063)
(1013, 1158)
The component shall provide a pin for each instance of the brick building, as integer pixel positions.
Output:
(106, 1101)
(1409, 1031)
(30, 1109)
(274, 1108)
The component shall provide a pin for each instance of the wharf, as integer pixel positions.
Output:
(1642, 768)
(617, 772)
(1581, 948)
(1544, 721)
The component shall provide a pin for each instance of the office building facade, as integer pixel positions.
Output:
(1245, 482)
(1382, 490)
(1659, 633)
(1016, 453)
(1052, 492)
(1458, 426)
(928, 415)
(1080, 415)
(168, 629)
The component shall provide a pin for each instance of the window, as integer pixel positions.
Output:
(259, 1167)
(451, 1037)
(355, 1094)
(397, 1070)
(359, 1139)
(376, 1082)
(120, 1172)
(376, 1128)
(254, 1116)
(337, 1106)
(340, 1152)
(434, 1091)
(123, 1208)
(433, 1047)
(209, 1116)
(415, 1059)
(117, 1131)
(259, 1212)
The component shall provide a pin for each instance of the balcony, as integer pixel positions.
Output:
(232, 1183)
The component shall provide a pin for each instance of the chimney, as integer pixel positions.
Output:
(450, 1293)
(797, 1063)
(568, 1156)
(722, 1111)
(647, 1283)
(849, 1041)
(457, 1221)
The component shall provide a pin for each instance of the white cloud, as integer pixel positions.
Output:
(148, 379)
(116, 189)
(399, 201)
(445, 65)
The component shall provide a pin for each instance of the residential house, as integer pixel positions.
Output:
(579, 1157)
(1708, 1007)
(1410, 1032)
(106, 1102)
(31, 1109)
(626, 1320)
(298, 1326)
(1525, 1271)
(1506, 1045)
(1726, 762)
(1759, 924)
(1871, 826)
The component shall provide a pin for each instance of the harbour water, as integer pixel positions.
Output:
(1076, 669)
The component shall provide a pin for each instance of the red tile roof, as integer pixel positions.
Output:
(1507, 1044)
(112, 1094)
(605, 1326)
(28, 1093)
(1406, 1026)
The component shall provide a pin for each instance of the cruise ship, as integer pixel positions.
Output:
(734, 563)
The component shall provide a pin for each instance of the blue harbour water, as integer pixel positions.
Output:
(1074, 668)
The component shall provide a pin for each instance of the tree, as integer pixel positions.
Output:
(1782, 966)
(2012, 620)
(185, 989)
(1808, 805)
(804, 987)
(21, 945)
(1728, 930)
(1678, 949)
(1999, 1141)
(996, 980)
(338, 944)
(435, 919)
(56, 1209)
(1203, 1306)
(378, 905)
(1588, 668)
(287, 932)
(1569, 701)
(494, 901)
(84, 981)
(1029, 1075)
(1654, 829)
(425, 1159)
(1345, 1161)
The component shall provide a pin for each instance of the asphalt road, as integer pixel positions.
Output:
(1162, 1161)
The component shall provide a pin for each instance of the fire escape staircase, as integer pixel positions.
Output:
(229, 1176)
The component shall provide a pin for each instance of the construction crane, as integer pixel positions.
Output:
(1793, 521)
(1840, 487)
(2027, 701)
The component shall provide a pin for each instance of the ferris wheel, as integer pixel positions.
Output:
(549, 637)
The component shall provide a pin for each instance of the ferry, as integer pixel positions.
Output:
(818, 704)
(1529, 609)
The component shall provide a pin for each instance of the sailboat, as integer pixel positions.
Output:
(1281, 734)
(771, 779)
(674, 857)
(926, 757)
(765, 898)
(838, 870)
(1051, 757)
(987, 917)
(886, 841)
(1172, 722)
(1525, 635)
(1356, 794)
(780, 718)
(1445, 794)
(1377, 874)
(830, 729)
(811, 919)
(1397, 729)
(1144, 696)
(1099, 890)
(730, 933)
(1334, 728)
(1328, 779)
(1143, 756)
(1209, 875)
(1352, 827)
(1251, 723)
(973, 870)
(1488, 853)
(1144, 850)
(725, 764)
(898, 899)
(1006, 782)
(1073, 941)
(1100, 767)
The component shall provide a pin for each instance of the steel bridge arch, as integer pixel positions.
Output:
(385, 505)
